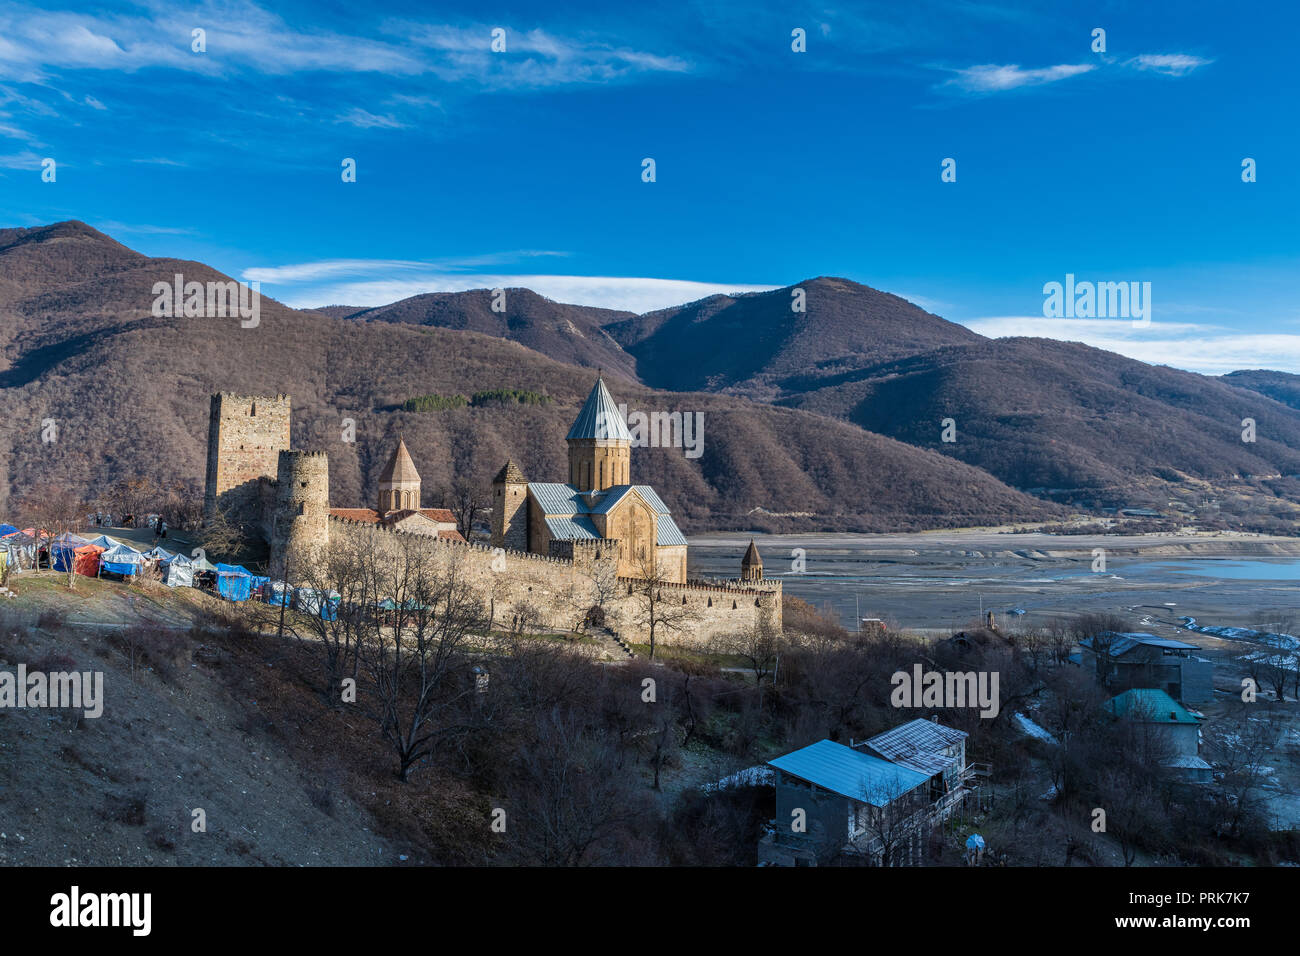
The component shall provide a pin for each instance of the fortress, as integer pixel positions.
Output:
(557, 549)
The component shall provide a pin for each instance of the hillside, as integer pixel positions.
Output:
(129, 394)
(572, 334)
(756, 345)
(1043, 414)
(1282, 387)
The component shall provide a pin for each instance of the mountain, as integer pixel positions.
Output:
(1043, 414)
(1282, 387)
(573, 334)
(128, 394)
(758, 345)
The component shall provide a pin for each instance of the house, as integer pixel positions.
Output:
(939, 752)
(1178, 729)
(832, 799)
(874, 800)
(1143, 660)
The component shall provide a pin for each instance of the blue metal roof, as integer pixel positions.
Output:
(600, 417)
(570, 528)
(609, 498)
(652, 499)
(1148, 704)
(850, 773)
(556, 498)
(669, 533)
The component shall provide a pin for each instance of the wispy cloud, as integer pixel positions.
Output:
(1170, 64)
(314, 284)
(990, 78)
(364, 119)
(1210, 349)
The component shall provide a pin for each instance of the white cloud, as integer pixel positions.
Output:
(364, 119)
(990, 78)
(631, 294)
(1209, 349)
(1170, 64)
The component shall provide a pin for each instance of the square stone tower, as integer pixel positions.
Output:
(246, 434)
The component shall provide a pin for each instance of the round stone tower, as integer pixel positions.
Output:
(300, 522)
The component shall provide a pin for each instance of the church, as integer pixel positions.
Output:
(597, 503)
(399, 503)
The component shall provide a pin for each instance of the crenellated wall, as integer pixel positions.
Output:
(558, 590)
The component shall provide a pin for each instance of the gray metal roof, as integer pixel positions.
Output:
(669, 533)
(919, 745)
(1121, 644)
(565, 509)
(556, 498)
(850, 773)
(600, 417)
(571, 528)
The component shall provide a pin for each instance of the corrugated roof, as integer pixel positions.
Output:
(571, 528)
(918, 744)
(668, 532)
(555, 498)
(563, 501)
(1121, 644)
(850, 773)
(599, 417)
(1151, 705)
(652, 499)
(608, 499)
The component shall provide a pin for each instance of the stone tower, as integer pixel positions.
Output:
(399, 482)
(751, 565)
(510, 509)
(300, 521)
(246, 434)
(600, 446)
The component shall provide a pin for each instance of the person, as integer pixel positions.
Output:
(163, 526)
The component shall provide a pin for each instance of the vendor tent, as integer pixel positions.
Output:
(121, 559)
(178, 571)
(71, 552)
(277, 593)
(233, 582)
(322, 604)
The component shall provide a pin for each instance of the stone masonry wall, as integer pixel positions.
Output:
(557, 591)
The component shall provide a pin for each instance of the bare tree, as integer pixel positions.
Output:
(59, 512)
(1239, 745)
(568, 804)
(417, 663)
(657, 607)
(467, 500)
(759, 646)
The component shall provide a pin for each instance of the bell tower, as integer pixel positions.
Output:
(399, 482)
(600, 446)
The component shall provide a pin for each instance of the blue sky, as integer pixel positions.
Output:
(477, 168)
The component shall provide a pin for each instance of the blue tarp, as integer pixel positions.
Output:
(6, 529)
(311, 601)
(277, 593)
(121, 560)
(233, 582)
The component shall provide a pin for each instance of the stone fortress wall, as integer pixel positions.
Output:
(248, 443)
(557, 591)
